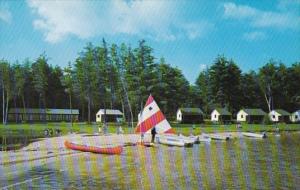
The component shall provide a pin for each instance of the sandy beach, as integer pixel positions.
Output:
(54, 147)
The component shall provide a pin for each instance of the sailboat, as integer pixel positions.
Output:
(151, 116)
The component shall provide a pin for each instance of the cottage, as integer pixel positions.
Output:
(221, 115)
(251, 115)
(35, 114)
(190, 115)
(110, 115)
(279, 115)
(295, 117)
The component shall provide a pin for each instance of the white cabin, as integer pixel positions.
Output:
(241, 115)
(251, 115)
(220, 115)
(189, 115)
(279, 115)
(110, 115)
(295, 117)
(179, 115)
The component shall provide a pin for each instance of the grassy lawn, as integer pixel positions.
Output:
(37, 129)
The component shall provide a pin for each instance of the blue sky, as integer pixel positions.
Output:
(189, 34)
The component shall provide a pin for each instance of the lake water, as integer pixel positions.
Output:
(271, 163)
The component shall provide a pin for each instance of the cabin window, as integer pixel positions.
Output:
(296, 116)
(273, 116)
(98, 116)
(215, 116)
(242, 116)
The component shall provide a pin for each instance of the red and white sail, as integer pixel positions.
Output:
(150, 117)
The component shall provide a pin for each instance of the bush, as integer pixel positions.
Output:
(209, 122)
(267, 120)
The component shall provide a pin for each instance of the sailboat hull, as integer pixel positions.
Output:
(174, 140)
(254, 135)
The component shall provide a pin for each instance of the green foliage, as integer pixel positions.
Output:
(251, 91)
(267, 120)
(220, 85)
(122, 77)
(40, 70)
(171, 90)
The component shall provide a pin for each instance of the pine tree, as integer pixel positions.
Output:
(40, 69)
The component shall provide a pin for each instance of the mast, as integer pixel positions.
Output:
(141, 119)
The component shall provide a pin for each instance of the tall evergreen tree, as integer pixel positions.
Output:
(68, 82)
(20, 79)
(266, 81)
(292, 82)
(251, 96)
(6, 85)
(40, 69)
(225, 83)
(145, 67)
(203, 88)
(86, 76)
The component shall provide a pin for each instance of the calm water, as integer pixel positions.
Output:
(272, 163)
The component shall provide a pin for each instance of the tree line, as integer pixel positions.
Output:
(273, 86)
(122, 77)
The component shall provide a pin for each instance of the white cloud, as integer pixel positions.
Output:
(196, 30)
(58, 19)
(261, 19)
(232, 10)
(256, 35)
(290, 5)
(84, 19)
(203, 67)
(5, 15)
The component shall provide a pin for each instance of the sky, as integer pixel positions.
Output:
(189, 34)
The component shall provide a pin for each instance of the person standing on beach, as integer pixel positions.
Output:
(153, 133)
(99, 129)
(192, 130)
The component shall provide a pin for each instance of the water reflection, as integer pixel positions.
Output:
(272, 163)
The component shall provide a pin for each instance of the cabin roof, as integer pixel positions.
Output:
(296, 112)
(223, 111)
(282, 112)
(109, 112)
(43, 111)
(62, 111)
(257, 112)
(191, 111)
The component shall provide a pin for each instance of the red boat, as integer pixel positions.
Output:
(94, 149)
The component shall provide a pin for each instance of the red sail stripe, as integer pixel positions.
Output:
(150, 100)
(150, 122)
(170, 131)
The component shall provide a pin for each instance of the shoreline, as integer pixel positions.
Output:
(54, 146)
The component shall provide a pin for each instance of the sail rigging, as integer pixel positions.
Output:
(151, 116)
